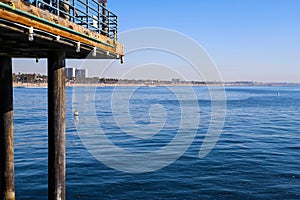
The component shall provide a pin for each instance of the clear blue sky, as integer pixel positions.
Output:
(248, 39)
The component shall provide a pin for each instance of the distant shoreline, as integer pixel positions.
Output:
(43, 85)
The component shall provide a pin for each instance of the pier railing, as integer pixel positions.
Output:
(88, 13)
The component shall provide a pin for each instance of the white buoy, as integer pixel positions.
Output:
(76, 113)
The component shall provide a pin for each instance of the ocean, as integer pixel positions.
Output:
(256, 156)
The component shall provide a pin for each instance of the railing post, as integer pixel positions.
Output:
(117, 27)
(87, 14)
(56, 125)
(108, 23)
(99, 19)
(7, 189)
(57, 7)
(74, 10)
(104, 26)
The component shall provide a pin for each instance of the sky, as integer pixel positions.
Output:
(251, 40)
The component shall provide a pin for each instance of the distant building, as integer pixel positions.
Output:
(81, 73)
(175, 81)
(70, 73)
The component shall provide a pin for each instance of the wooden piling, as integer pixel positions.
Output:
(56, 125)
(7, 190)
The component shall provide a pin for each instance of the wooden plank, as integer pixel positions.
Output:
(56, 126)
(7, 190)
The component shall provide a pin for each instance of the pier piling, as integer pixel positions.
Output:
(56, 125)
(7, 190)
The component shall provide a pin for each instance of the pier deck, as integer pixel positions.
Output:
(50, 32)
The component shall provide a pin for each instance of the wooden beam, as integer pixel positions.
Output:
(7, 190)
(56, 125)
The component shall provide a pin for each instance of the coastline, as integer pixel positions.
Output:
(45, 85)
(37, 85)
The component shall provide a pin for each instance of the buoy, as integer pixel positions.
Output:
(278, 94)
(76, 113)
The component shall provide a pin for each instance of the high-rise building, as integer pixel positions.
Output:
(70, 73)
(81, 73)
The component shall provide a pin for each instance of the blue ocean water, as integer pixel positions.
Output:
(257, 155)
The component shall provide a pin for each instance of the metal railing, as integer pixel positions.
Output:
(87, 13)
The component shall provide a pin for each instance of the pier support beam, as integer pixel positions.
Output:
(56, 125)
(7, 189)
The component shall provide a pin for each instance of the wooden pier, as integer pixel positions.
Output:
(27, 31)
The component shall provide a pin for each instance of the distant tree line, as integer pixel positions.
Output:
(38, 78)
(30, 78)
(108, 80)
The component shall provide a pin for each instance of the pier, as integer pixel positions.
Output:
(46, 30)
